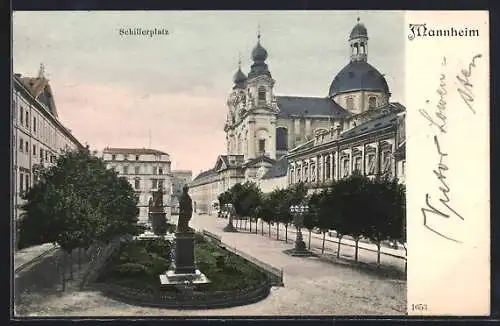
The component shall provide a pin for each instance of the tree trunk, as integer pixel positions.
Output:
(323, 245)
(277, 231)
(63, 272)
(79, 259)
(269, 226)
(245, 224)
(378, 253)
(356, 250)
(309, 239)
(250, 221)
(406, 258)
(286, 233)
(338, 246)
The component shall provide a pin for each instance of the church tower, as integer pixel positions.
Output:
(262, 108)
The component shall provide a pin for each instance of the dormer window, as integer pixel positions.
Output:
(113, 157)
(372, 102)
(349, 103)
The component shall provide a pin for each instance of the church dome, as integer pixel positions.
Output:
(359, 30)
(357, 76)
(259, 53)
(239, 77)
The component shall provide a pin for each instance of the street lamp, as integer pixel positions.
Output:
(298, 212)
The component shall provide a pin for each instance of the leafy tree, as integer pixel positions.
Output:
(311, 217)
(77, 202)
(265, 211)
(351, 195)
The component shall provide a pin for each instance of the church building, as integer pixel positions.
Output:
(277, 140)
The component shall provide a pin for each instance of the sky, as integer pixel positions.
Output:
(169, 92)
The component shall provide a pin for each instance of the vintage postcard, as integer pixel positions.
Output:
(257, 163)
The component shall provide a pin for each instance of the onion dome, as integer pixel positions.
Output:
(259, 56)
(258, 52)
(239, 77)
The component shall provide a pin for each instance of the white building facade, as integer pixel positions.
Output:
(38, 136)
(147, 170)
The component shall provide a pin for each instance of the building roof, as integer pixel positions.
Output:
(40, 89)
(279, 169)
(261, 158)
(370, 126)
(45, 104)
(356, 76)
(359, 30)
(204, 174)
(309, 106)
(144, 151)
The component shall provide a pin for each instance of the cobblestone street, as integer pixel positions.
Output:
(312, 287)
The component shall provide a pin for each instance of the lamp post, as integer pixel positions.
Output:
(300, 248)
(230, 227)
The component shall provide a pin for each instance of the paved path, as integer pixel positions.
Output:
(393, 258)
(312, 287)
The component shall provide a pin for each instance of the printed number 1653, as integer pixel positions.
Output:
(419, 307)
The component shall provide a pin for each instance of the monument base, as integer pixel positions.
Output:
(300, 250)
(229, 228)
(173, 278)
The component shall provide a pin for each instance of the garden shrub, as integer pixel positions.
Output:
(131, 270)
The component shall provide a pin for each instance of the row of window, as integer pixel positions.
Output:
(126, 157)
(24, 182)
(44, 154)
(155, 183)
(345, 163)
(137, 170)
(24, 120)
(372, 102)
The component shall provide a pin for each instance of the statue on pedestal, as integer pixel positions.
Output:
(185, 210)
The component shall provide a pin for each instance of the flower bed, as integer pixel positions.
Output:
(133, 275)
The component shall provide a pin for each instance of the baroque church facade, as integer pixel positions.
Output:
(276, 140)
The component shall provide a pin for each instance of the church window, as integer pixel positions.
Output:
(113, 157)
(137, 183)
(137, 170)
(27, 119)
(281, 138)
(327, 167)
(262, 146)
(21, 115)
(125, 170)
(350, 103)
(357, 164)
(362, 48)
(372, 102)
(160, 170)
(21, 144)
(346, 168)
(34, 124)
(34, 150)
(262, 94)
(160, 184)
(155, 183)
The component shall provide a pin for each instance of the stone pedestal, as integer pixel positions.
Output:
(183, 268)
(300, 248)
(184, 253)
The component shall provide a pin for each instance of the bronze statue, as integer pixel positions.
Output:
(185, 210)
